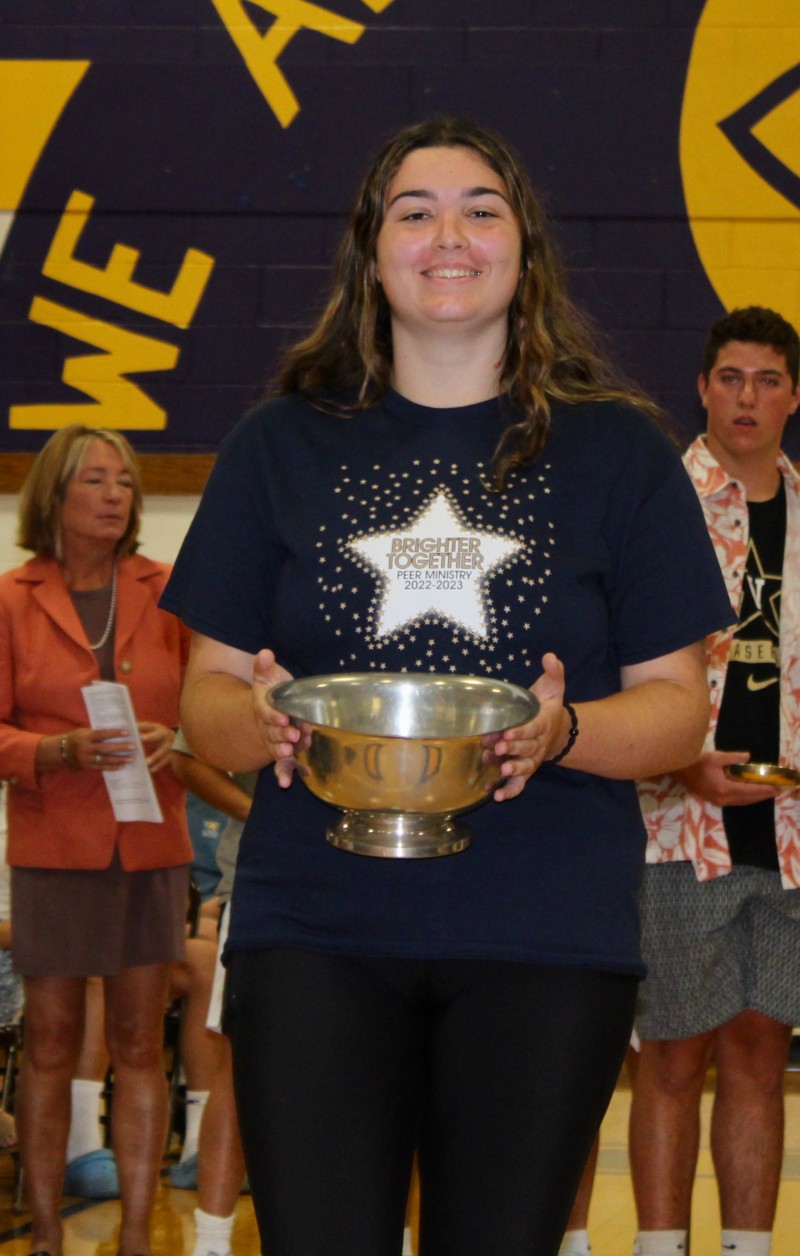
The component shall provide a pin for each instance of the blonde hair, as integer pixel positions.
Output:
(551, 354)
(42, 495)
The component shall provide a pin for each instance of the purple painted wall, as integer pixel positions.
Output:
(179, 144)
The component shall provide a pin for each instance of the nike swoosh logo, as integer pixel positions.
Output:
(754, 685)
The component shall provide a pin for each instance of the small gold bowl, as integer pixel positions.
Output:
(400, 753)
(764, 774)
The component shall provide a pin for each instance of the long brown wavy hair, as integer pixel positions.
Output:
(551, 351)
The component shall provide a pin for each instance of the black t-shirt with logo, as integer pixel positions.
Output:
(749, 718)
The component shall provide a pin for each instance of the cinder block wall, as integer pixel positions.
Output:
(201, 148)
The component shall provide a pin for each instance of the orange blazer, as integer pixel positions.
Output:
(63, 819)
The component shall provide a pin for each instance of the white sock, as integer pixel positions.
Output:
(195, 1102)
(575, 1243)
(659, 1242)
(408, 1247)
(747, 1242)
(85, 1131)
(212, 1234)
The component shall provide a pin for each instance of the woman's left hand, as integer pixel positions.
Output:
(157, 742)
(527, 746)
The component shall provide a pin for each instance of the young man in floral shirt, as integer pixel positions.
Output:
(721, 899)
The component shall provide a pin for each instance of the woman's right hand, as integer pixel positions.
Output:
(527, 746)
(279, 734)
(85, 750)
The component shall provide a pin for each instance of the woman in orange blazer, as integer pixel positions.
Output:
(91, 896)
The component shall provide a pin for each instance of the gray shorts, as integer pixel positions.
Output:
(716, 948)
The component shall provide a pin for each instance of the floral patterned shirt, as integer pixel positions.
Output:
(681, 826)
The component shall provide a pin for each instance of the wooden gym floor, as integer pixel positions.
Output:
(91, 1228)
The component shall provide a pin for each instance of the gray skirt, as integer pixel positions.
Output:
(96, 923)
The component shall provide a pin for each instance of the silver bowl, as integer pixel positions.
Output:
(401, 753)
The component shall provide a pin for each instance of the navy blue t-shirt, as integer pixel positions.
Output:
(374, 543)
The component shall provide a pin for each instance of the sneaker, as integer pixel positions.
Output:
(93, 1175)
(183, 1175)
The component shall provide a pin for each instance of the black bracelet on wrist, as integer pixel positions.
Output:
(572, 737)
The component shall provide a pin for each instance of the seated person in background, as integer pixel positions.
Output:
(205, 829)
(214, 798)
(91, 1168)
(220, 1166)
(218, 1171)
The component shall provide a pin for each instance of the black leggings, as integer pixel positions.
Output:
(497, 1073)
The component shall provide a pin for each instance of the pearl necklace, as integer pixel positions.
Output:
(98, 645)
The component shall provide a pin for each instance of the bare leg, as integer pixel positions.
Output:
(135, 1003)
(191, 980)
(221, 1165)
(664, 1131)
(86, 1134)
(579, 1217)
(54, 1017)
(93, 1060)
(747, 1124)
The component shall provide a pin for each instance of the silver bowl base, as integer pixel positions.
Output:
(398, 835)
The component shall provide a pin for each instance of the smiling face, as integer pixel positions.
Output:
(748, 396)
(98, 499)
(449, 249)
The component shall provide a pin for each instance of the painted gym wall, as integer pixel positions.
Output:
(174, 175)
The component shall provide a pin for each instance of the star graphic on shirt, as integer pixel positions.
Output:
(764, 589)
(436, 566)
(756, 640)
